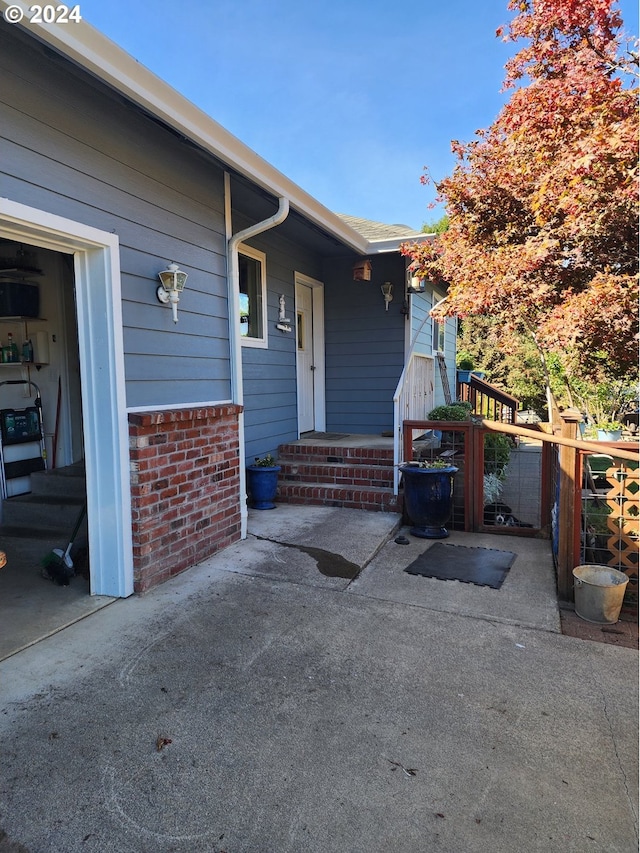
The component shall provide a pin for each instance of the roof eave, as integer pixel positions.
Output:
(377, 247)
(91, 50)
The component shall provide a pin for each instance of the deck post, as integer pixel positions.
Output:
(566, 510)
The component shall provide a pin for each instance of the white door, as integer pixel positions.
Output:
(309, 354)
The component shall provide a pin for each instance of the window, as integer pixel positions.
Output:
(438, 336)
(437, 340)
(253, 297)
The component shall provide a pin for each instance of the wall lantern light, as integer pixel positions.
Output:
(387, 292)
(414, 283)
(362, 271)
(173, 281)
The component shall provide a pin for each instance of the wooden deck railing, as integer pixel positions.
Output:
(560, 485)
(488, 401)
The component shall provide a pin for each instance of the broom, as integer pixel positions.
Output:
(58, 565)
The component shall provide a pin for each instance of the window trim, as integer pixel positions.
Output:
(256, 255)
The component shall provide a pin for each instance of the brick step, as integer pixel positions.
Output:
(329, 454)
(336, 473)
(351, 497)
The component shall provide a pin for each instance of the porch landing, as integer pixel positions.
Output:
(339, 439)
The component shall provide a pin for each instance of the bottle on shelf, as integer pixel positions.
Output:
(13, 349)
(27, 351)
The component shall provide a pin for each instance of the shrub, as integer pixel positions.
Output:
(497, 450)
(452, 412)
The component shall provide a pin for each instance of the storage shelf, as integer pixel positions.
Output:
(22, 319)
(15, 272)
(21, 364)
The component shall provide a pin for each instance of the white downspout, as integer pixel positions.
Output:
(233, 296)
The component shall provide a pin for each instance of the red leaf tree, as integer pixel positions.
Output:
(543, 205)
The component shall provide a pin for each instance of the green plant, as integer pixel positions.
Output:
(492, 487)
(431, 463)
(609, 426)
(459, 411)
(465, 361)
(497, 450)
(265, 461)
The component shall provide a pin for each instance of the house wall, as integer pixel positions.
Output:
(69, 147)
(422, 331)
(269, 375)
(365, 345)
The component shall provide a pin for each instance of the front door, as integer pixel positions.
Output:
(310, 354)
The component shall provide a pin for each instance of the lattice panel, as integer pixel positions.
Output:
(623, 498)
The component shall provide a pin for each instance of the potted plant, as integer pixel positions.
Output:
(458, 411)
(465, 366)
(428, 492)
(609, 431)
(262, 479)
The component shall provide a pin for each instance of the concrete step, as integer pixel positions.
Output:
(46, 512)
(68, 481)
(351, 497)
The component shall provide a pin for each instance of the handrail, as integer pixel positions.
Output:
(589, 446)
(476, 387)
(397, 426)
(398, 421)
(491, 390)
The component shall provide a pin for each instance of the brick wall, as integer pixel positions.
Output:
(184, 488)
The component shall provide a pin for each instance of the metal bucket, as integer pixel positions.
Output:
(598, 593)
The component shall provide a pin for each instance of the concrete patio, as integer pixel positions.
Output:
(268, 700)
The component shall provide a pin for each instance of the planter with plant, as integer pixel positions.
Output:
(464, 364)
(458, 411)
(428, 493)
(609, 431)
(262, 480)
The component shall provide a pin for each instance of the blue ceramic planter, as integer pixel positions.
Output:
(428, 495)
(609, 434)
(263, 484)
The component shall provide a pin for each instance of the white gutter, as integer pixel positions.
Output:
(235, 345)
(392, 244)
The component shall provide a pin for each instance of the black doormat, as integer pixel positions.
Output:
(482, 566)
(324, 436)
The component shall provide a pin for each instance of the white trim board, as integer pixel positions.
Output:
(169, 407)
(104, 412)
(319, 389)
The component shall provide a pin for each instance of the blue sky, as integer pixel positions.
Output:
(349, 98)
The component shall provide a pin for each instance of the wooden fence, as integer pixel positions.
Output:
(560, 490)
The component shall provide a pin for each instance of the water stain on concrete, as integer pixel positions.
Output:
(328, 564)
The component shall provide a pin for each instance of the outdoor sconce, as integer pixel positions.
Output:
(387, 292)
(173, 281)
(414, 284)
(362, 271)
